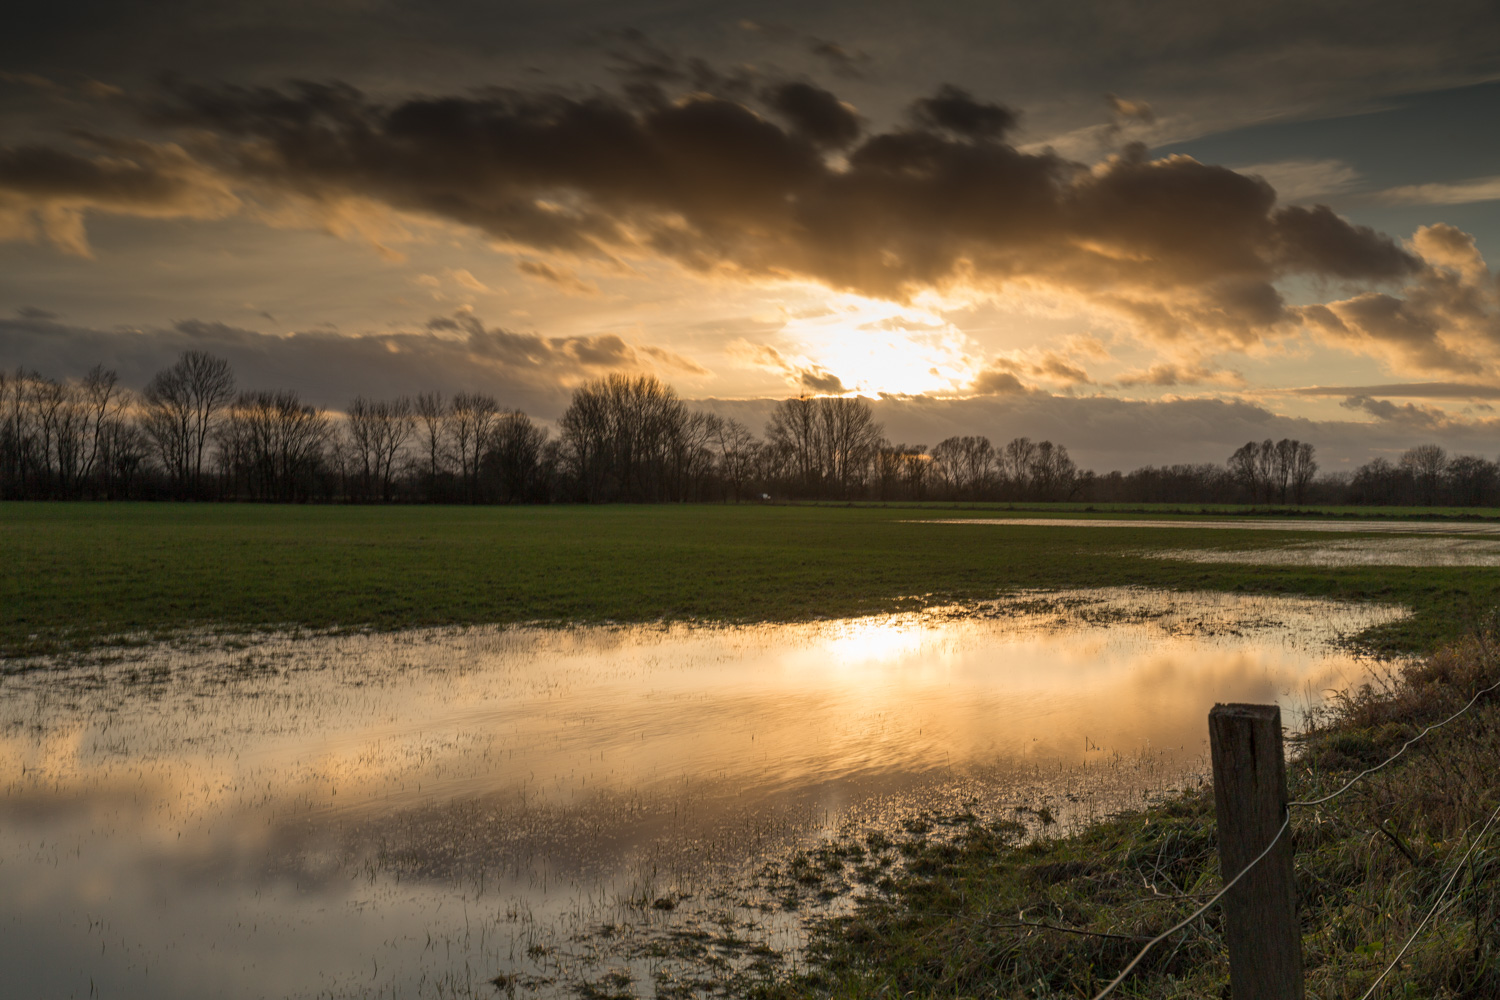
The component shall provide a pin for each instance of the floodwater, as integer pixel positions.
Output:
(1419, 551)
(1360, 526)
(594, 811)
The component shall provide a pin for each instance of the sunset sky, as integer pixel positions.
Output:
(1150, 231)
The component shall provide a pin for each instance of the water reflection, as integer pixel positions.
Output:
(1361, 526)
(414, 813)
(1354, 552)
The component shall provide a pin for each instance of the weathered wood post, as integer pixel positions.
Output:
(1260, 912)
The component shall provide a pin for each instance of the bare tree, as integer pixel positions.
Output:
(1015, 463)
(272, 443)
(472, 418)
(1304, 467)
(182, 405)
(516, 458)
(967, 464)
(1471, 479)
(738, 451)
(1426, 464)
(377, 431)
(432, 412)
(850, 438)
(1053, 474)
(1244, 466)
(793, 428)
(626, 438)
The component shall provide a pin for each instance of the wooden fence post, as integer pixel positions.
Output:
(1260, 912)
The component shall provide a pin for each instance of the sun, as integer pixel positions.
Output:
(883, 347)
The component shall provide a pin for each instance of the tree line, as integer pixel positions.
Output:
(190, 433)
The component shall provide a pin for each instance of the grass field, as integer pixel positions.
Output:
(74, 574)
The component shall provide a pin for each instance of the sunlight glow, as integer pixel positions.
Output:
(874, 346)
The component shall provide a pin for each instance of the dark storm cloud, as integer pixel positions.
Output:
(814, 113)
(842, 61)
(46, 190)
(957, 111)
(712, 183)
(1177, 247)
(1317, 241)
(450, 353)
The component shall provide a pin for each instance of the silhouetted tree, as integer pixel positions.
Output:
(738, 452)
(271, 445)
(182, 405)
(1426, 464)
(518, 459)
(627, 438)
(377, 431)
(966, 464)
(793, 432)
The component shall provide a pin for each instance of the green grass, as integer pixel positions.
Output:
(74, 574)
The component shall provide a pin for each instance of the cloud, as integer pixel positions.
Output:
(456, 352)
(901, 324)
(1413, 390)
(1459, 193)
(1050, 366)
(1135, 110)
(691, 165)
(956, 111)
(48, 191)
(997, 381)
(1447, 318)
(1407, 413)
(821, 381)
(801, 373)
(1167, 374)
(1299, 180)
(562, 277)
(467, 280)
(843, 62)
(815, 114)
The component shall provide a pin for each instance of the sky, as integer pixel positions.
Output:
(1148, 231)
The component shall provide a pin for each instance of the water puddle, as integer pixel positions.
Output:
(597, 811)
(1377, 527)
(1354, 552)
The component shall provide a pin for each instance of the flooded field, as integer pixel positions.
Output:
(597, 811)
(1247, 524)
(1408, 551)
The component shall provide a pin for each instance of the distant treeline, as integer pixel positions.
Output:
(188, 434)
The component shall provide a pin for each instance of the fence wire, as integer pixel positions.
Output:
(1435, 905)
(1286, 825)
(1371, 770)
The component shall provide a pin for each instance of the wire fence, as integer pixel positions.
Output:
(1286, 827)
